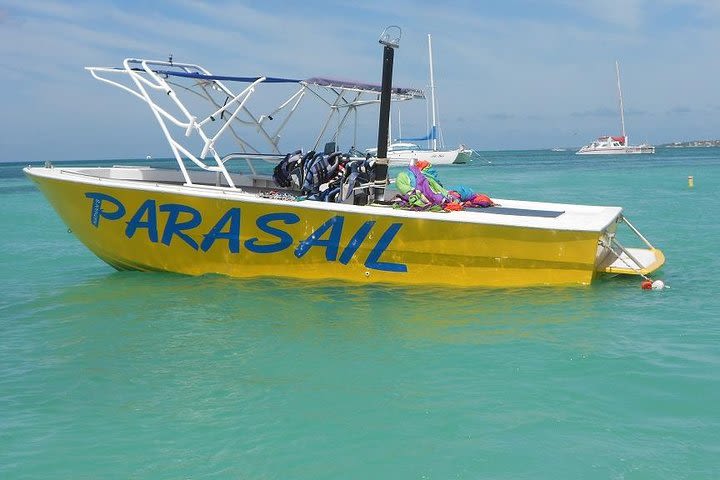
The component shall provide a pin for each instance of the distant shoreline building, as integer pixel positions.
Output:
(693, 143)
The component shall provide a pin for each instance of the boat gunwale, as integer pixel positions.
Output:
(474, 216)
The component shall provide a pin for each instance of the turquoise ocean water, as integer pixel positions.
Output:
(108, 374)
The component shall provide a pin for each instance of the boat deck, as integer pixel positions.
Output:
(255, 188)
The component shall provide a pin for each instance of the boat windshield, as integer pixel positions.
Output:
(398, 147)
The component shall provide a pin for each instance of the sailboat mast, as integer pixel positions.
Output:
(390, 134)
(622, 109)
(399, 123)
(432, 95)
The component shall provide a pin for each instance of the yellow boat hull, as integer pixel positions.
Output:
(148, 229)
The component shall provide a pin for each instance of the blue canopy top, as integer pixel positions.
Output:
(202, 76)
(319, 81)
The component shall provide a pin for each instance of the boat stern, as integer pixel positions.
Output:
(616, 259)
(634, 261)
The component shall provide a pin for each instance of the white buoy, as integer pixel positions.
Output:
(658, 285)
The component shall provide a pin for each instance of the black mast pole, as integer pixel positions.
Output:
(385, 95)
(381, 165)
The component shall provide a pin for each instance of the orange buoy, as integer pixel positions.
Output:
(646, 285)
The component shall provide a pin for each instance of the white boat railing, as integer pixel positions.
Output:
(146, 77)
(229, 115)
(343, 98)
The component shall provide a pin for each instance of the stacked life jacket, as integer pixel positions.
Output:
(287, 173)
(329, 178)
(420, 189)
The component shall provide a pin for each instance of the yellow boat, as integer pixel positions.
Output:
(203, 218)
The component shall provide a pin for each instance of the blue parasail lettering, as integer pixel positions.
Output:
(97, 211)
(284, 238)
(331, 244)
(146, 209)
(356, 241)
(182, 221)
(232, 235)
(174, 227)
(373, 260)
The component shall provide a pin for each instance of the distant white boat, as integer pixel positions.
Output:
(402, 153)
(558, 149)
(615, 145)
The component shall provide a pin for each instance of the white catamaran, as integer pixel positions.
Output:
(615, 145)
(206, 217)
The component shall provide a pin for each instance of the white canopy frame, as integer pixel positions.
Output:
(152, 78)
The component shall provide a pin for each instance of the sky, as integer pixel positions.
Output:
(516, 74)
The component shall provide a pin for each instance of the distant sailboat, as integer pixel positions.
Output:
(615, 145)
(403, 150)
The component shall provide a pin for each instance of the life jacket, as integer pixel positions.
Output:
(319, 170)
(357, 172)
(328, 178)
(286, 173)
